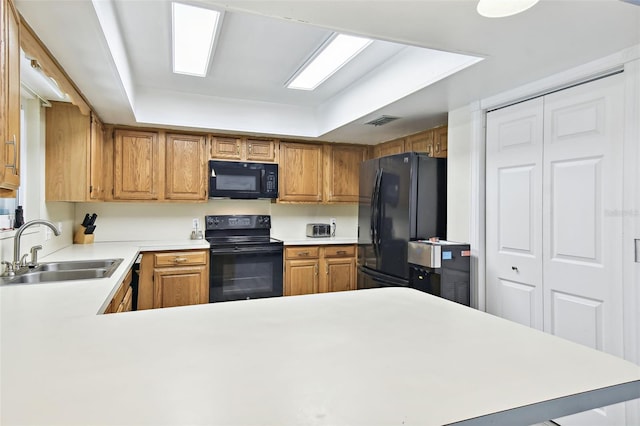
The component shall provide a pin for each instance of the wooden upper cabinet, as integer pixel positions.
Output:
(421, 142)
(260, 150)
(243, 149)
(226, 148)
(185, 167)
(9, 98)
(440, 144)
(136, 165)
(342, 172)
(73, 154)
(300, 172)
(389, 148)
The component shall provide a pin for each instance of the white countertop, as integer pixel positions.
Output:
(369, 357)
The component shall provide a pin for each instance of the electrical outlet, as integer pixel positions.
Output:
(60, 227)
(332, 221)
(47, 234)
(196, 222)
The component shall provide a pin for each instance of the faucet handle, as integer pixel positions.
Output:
(8, 270)
(23, 261)
(34, 256)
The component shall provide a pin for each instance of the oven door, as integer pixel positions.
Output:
(245, 272)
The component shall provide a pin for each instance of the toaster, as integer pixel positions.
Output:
(317, 230)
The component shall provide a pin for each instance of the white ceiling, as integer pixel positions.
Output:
(118, 53)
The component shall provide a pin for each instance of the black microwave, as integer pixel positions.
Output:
(232, 179)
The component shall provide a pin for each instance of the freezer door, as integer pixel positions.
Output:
(368, 278)
(367, 255)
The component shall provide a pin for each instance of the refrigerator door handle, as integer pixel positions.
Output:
(374, 216)
(378, 208)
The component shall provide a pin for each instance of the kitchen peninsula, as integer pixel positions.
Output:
(383, 356)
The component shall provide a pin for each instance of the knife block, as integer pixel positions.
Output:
(81, 238)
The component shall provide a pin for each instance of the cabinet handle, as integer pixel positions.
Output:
(250, 149)
(342, 252)
(316, 269)
(238, 149)
(303, 253)
(326, 269)
(438, 147)
(15, 154)
(180, 259)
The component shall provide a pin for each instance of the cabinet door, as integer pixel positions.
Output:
(422, 142)
(440, 142)
(342, 165)
(226, 148)
(96, 149)
(389, 148)
(300, 172)
(185, 167)
(136, 165)
(260, 150)
(301, 277)
(340, 274)
(179, 286)
(10, 174)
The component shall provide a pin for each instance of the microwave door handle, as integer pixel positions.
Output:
(262, 183)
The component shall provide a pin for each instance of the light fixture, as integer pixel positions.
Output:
(49, 81)
(329, 58)
(502, 8)
(194, 34)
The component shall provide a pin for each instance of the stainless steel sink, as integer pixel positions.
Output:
(66, 271)
(79, 264)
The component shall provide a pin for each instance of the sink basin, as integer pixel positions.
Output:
(79, 264)
(51, 276)
(66, 271)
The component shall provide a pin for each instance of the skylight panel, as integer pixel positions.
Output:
(330, 58)
(194, 31)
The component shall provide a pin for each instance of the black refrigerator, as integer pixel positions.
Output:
(402, 198)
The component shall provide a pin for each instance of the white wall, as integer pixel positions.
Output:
(158, 221)
(459, 175)
(32, 188)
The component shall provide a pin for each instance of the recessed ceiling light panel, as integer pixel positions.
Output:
(502, 8)
(194, 32)
(332, 56)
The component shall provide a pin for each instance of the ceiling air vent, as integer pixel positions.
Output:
(382, 120)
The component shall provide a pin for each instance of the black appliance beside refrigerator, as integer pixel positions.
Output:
(402, 198)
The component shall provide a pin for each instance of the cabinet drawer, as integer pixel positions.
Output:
(304, 252)
(340, 251)
(127, 302)
(180, 258)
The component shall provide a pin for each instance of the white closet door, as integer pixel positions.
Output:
(514, 213)
(582, 222)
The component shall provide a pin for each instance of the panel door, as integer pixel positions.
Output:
(260, 150)
(342, 165)
(422, 142)
(583, 223)
(185, 167)
(300, 172)
(226, 148)
(179, 286)
(136, 164)
(301, 277)
(340, 274)
(11, 173)
(96, 149)
(514, 213)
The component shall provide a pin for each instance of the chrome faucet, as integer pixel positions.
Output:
(17, 261)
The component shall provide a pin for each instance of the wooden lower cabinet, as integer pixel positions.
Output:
(319, 269)
(123, 299)
(173, 278)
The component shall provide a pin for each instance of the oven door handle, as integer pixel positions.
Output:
(245, 250)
